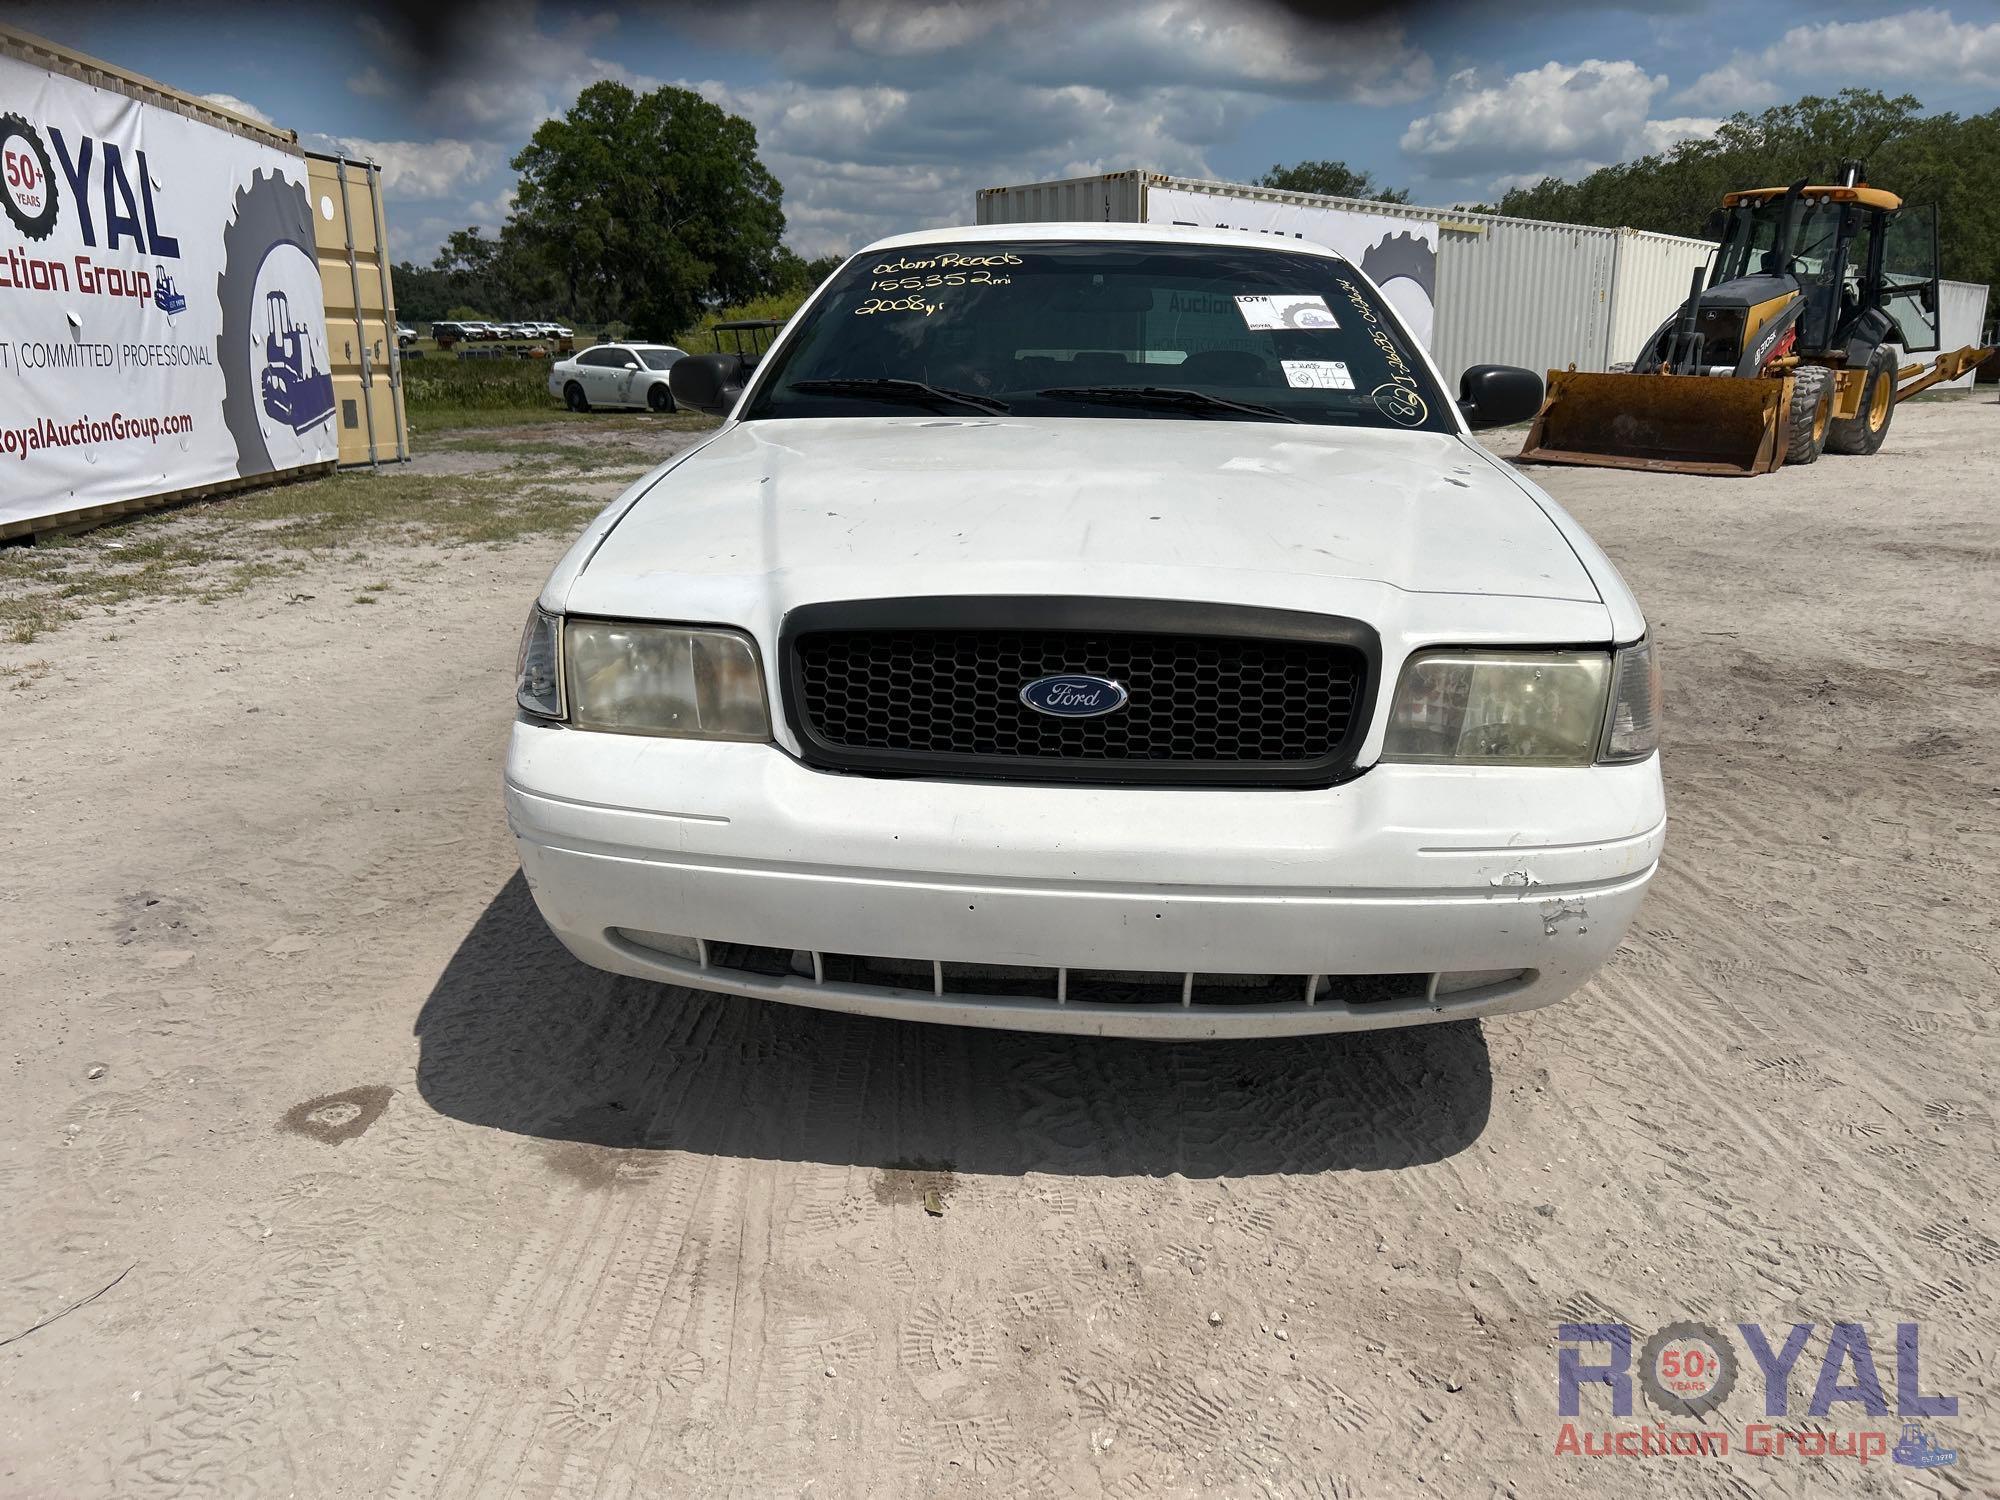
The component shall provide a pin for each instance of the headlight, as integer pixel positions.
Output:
(663, 679)
(1526, 708)
(538, 670)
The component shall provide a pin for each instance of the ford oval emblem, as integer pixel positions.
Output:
(1074, 697)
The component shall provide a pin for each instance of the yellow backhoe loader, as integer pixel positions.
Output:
(1787, 350)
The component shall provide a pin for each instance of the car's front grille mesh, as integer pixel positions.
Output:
(1195, 700)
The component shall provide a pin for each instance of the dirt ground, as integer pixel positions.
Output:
(405, 1202)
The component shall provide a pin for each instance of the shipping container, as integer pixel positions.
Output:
(1520, 292)
(1652, 279)
(1508, 291)
(64, 62)
(360, 310)
(1961, 322)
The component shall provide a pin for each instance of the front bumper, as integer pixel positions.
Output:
(1408, 872)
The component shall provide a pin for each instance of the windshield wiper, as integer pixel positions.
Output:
(886, 389)
(1179, 397)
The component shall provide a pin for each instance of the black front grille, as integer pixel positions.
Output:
(1204, 704)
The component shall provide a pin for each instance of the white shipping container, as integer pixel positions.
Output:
(1509, 291)
(1961, 320)
(1652, 279)
(1522, 292)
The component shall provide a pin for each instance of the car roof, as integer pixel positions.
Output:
(1166, 234)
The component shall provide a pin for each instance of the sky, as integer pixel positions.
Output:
(880, 116)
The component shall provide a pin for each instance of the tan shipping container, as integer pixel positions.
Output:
(352, 234)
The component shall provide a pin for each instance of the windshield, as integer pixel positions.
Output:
(1751, 245)
(658, 359)
(1098, 328)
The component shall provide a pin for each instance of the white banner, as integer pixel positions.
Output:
(1398, 250)
(161, 324)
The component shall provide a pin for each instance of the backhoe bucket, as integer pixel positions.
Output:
(1675, 424)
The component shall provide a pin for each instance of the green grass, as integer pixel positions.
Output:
(213, 550)
(571, 453)
(441, 392)
(218, 549)
(698, 340)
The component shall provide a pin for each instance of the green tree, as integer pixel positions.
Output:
(1943, 159)
(1332, 179)
(472, 270)
(646, 206)
(792, 272)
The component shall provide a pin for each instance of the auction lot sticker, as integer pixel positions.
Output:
(1317, 374)
(1282, 310)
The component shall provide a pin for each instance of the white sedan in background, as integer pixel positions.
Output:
(616, 375)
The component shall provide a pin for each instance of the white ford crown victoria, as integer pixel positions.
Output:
(1092, 628)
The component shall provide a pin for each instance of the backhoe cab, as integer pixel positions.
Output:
(1783, 348)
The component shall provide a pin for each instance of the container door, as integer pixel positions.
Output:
(360, 311)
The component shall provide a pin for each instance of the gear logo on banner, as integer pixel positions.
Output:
(278, 400)
(1402, 257)
(27, 178)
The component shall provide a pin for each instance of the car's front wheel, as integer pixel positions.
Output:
(660, 399)
(574, 398)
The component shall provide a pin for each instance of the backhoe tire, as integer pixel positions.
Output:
(1864, 431)
(1811, 414)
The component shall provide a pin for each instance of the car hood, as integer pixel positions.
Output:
(778, 513)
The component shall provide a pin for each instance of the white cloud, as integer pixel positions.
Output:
(858, 163)
(1740, 84)
(1257, 46)
(887, 28)
(1553, 121)
(425, 169)
(490, 213)
(1914, 47)
(1554, 112)
(1918, 44)
(1662, 135)
(885, 115)
(507, 73)
(241, 106)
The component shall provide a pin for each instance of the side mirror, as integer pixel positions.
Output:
(708, 382)
(1499, 395)
(1928, 297)
(1718, 220)
(631, 364)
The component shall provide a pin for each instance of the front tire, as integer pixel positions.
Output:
(574, 398)
(1811, 414)
(659, 399)
(1864, 431)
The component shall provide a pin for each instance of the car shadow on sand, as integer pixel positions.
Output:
(519, 1036)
